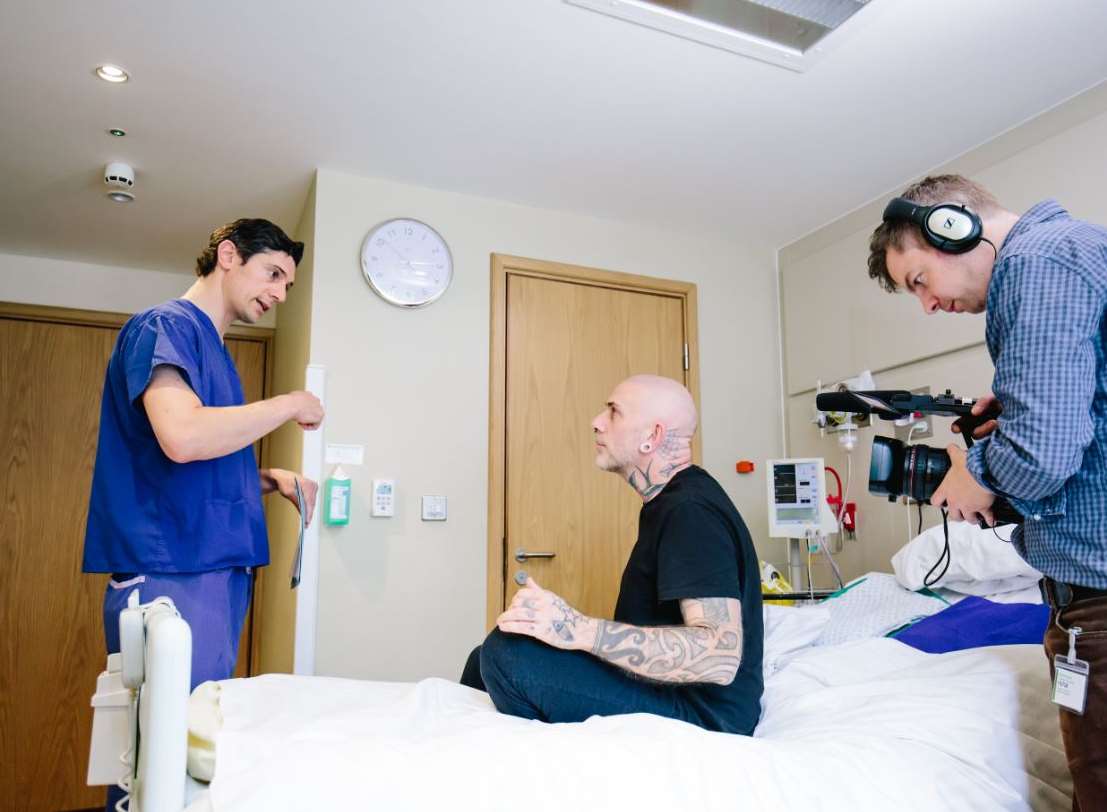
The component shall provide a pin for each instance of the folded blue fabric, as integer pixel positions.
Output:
(975, 622)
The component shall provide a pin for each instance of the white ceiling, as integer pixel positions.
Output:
(233, 104)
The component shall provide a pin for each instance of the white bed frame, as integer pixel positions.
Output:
(140, 724)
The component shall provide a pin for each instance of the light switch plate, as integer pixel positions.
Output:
(434, 508)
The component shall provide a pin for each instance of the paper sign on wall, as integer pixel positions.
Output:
(338, 454)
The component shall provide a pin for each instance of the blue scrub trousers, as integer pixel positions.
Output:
(212, 603)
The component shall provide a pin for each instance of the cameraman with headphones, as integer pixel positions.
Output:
(1042, 279)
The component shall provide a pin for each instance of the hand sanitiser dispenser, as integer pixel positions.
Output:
(337, 498)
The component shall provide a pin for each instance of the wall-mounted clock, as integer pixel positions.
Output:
(406, 262)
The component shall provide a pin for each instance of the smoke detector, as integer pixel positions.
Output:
(120, 180)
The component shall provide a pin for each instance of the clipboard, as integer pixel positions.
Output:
(298, 561)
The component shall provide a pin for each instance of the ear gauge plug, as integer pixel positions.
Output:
(645, 448)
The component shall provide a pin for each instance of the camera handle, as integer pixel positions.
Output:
(1002, 510)
(968, 423)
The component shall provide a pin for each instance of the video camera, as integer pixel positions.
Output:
(916, 470)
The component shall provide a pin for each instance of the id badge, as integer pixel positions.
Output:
(1070, 683)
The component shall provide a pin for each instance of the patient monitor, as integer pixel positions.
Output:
(797, 499)
(798, 508)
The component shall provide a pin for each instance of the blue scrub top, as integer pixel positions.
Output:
(148, 514)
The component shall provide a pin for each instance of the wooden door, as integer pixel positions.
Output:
(51, 626)
(249, 359)
(569, 339)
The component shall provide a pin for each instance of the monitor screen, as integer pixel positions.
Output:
(796, 489)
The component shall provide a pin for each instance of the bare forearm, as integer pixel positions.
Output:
(208, 432)
(706, 649)
(673, 654)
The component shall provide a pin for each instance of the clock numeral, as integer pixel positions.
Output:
(409, 231)
(380, 240)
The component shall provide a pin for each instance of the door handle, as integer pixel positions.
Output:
(522, 555)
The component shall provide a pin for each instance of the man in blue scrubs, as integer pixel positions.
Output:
(176, 505)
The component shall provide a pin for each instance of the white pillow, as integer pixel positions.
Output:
(789, 630)
(980, 563)
(205, 720)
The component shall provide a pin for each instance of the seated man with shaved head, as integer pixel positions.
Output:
(686, 639)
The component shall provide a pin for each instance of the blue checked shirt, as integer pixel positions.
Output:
(1047, 337)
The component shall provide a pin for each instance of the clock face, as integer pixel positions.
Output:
(406, 262)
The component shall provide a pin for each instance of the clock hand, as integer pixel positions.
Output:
(396, 252)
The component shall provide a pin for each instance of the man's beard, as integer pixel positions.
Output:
(606, 461)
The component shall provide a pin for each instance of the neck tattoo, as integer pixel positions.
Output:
(642, 482)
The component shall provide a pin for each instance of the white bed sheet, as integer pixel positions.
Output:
(868, 725)
(1029, 594)
(197, 796)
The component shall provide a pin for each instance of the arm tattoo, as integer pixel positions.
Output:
(715, 610)
(707, 649)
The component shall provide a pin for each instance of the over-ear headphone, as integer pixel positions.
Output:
(949, 227)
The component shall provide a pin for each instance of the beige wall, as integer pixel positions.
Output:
(403, 599)
(64, 283)
(837, 321)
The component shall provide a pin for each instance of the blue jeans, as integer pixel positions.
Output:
(530, 679)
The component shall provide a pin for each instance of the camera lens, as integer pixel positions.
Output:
(896, 469)
(886, 468)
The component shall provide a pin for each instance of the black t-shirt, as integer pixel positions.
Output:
(692, 543)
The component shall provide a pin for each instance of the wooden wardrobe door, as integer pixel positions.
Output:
(51, 623)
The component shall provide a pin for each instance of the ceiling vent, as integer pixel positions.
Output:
(793, 34)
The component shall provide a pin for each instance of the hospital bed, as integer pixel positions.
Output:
(858, 724)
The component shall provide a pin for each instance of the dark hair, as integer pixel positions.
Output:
(250, 236)
(928, 191)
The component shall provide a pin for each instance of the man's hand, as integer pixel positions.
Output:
(960, 493)
(985, 405)
(307, 410)
(545, 616)
(284, 482)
